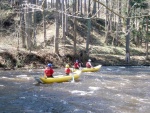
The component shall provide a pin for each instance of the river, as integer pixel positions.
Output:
(113, 89)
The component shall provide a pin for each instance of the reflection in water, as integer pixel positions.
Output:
(111, 90)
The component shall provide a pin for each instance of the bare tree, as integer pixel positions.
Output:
(81, 7)
(44, 5)
(56, 42)
(28, 30)
(147, 38)
(66, 17)
(88, 34)
(63, 22)
(94, 8)
(118, 26)
(85, 7)
(128, 32)
(107, 23)
(89, 7)
(75, 25)
(22, 25)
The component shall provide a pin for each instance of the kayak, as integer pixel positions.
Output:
(59, 78)
(93, 69)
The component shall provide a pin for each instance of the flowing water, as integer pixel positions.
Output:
(111, 90)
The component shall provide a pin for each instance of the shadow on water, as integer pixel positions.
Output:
(111, 90)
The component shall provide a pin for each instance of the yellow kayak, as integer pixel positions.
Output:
(59, 78)
(93, 69)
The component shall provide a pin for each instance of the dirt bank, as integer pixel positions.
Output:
(11, 58)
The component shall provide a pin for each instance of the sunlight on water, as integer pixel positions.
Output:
(144, 101)
(1, 85)
(64, 102)
(123, 84)
(110, 87)
(140, 76)
(23, 76)
(4, 77)
(77, 92)
(97, 79)
(125, 80)
(122, 67)
(94, 88)
(108, 69)
(7, 78)
(22, 97)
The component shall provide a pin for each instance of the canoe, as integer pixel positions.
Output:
(59, 78)
(93, 69)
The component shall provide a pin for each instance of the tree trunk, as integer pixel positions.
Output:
(75, 24)
(22, 24)
(52, 2)
(88, 35)
(85, 8)
(28, 27)
(106, 24)
(66, 17)
(94, 8)
(111, 16)
(89, 8)
(35, 24)
(128, 33)
(56, 44)
(81, 8)
(44, 22)
(98, 9)
(63, 23)
(78, 6)
(118, 29)
(147, 38)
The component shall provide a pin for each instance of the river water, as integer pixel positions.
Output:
(113, 89)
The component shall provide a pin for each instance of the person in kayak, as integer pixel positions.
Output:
(88, 64)
(48, 72)
(76, 65)
(67, 69)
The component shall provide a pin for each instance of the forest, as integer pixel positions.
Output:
(110, 32)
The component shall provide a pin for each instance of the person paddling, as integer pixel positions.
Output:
(88, 64)
(67, 69)
(76, 65)
(48, 72)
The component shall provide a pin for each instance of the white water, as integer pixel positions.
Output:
(111, 90)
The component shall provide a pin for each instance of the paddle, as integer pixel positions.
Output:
(72, 74)
(80, 66)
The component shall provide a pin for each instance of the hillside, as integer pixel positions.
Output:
(13, 56)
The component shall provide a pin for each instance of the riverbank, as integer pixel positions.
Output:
(13, 58)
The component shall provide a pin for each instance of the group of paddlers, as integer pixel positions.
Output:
(48, 72)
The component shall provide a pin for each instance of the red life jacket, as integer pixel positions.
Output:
(49, 72)
(88, 65)
(67, 70)
(76, 65)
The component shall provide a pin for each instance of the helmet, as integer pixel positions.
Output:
(49, 65)
(67, 66)
(76, 60)
(89, 60)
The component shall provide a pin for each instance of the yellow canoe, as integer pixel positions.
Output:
(93, 69)
(59, 78)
